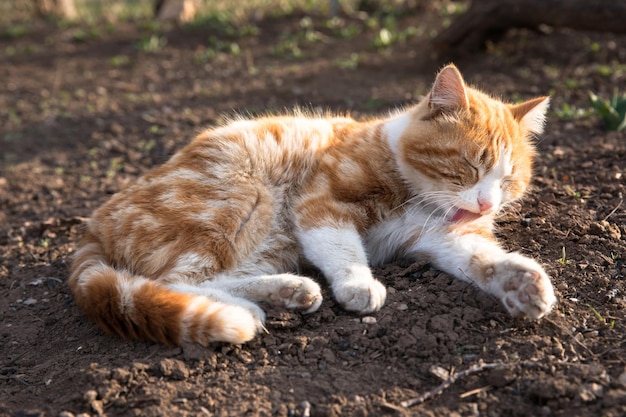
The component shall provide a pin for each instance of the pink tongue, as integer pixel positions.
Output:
(464, 215)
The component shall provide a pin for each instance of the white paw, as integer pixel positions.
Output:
(296, 293)
(235, 324)
(527, 288)
(360, 295)
(255, 311)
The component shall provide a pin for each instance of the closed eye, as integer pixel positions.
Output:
(475, 170)
(505, 182)
(484, 156)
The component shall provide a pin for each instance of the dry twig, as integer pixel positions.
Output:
(613, 211)
(455, 376)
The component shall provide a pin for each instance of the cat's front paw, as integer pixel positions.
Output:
(360, 295)
(297, 293)
(527, 288)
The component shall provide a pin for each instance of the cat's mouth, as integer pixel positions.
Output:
(463, 216)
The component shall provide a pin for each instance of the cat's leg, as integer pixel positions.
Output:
(340, 255)
(518, 281)
(286, 290)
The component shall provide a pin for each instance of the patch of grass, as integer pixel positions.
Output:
(12, 136)
(288, 48)
(150, 26)
(603, 321)
(568, 113)
(612, 112)
(452, 9)
(115, 166)
(156, 130)
(217, 46)
(572, 83)
(351, 62)
(145, 146)
(80, 35)
(28, 49)
(389, 34)
(341, 29)
(383, 38)
(563, 259)
(596, 313)
(217, 22)
(604, 70)
(15, 32)
(119, 60)
(375, 104)
(572, 192)
(152, 43)
(594, 47)
(291, 43)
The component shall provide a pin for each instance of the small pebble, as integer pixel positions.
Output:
(368, 320)
(402, 307)
(65, 414)
(469, 357)
(590, 392)
(90, 395)
(121, 375)
(30, 301)
(174, 368)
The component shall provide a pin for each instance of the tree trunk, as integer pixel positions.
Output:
(65, 9)
(180, 11)
(486, 19)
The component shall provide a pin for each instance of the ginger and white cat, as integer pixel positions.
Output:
(187, 252)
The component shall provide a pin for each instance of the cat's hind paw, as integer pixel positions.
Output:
(360, 295)
(296, 293)
(527, 289)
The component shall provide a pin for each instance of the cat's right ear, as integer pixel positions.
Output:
(532, 113)
(448, 94)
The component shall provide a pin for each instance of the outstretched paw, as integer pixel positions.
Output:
(527, 289)
(297, 293)
(360, 295)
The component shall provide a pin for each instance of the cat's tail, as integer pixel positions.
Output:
(138, 308)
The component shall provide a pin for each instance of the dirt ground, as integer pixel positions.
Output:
(84, 112)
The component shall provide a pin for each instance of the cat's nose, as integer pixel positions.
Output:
(484, 205)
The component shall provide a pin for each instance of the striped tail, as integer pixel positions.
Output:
(137, 308)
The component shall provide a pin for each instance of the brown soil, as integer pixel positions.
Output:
(79, 120)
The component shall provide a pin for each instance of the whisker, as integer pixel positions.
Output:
(426, 198)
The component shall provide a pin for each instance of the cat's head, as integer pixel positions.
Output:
(464, 152)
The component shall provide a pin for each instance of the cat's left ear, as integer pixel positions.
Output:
(532, 113)
(448, 94)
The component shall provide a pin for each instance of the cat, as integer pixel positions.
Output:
(187, 253)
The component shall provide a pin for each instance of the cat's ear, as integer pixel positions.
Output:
(448, 94)
(532, 113)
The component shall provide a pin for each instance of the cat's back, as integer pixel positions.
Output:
(225, 163)
(278, 148)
